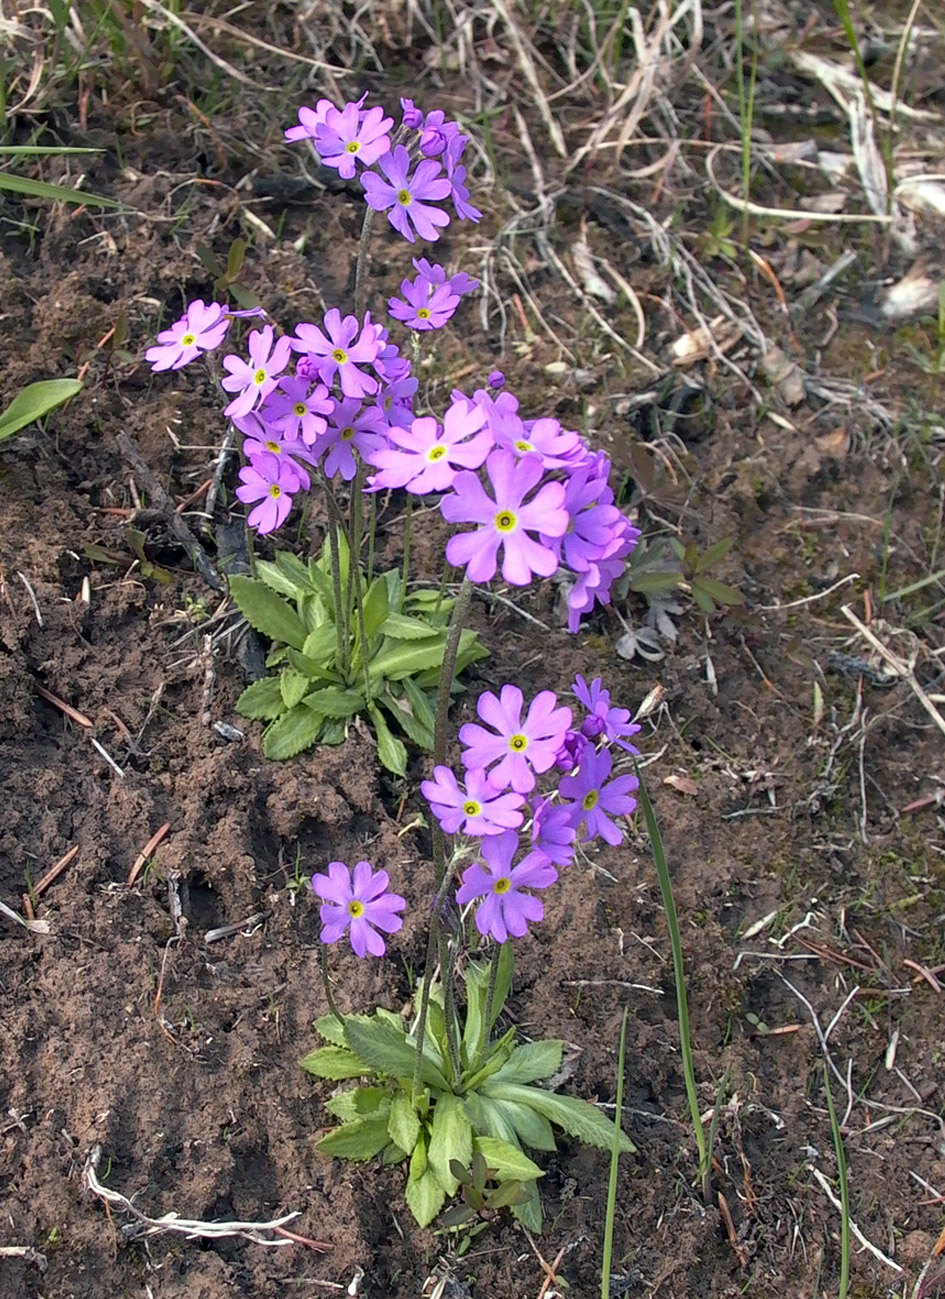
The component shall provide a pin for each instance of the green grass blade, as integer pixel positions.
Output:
(35, 401)
(39, 150)
(844, 1193)
(40, 189)
(614, 1160)
(682, 1006)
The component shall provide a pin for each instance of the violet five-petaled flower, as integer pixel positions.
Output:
(201, 328)
(602, 720)
(505, 909)
(594, 800)
(480, 809)
(254, 380)
(271, 480)
(506, 521)
(405, 198)
(345, 346)
(520, 747)
(425, 457)
(349, 135)
(358, 903)
(424, 305)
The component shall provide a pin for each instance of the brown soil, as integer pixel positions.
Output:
(179, 1057)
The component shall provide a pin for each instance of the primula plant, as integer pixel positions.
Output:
(329, 408)
(444, 1091)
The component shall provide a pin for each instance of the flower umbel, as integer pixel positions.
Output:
(360, 904)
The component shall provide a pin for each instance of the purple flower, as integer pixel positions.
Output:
(271, 480)
(295, 411)
(496, 379)
(505, 909)
(254, 380)
(349, 134)
(457, 176)
(405, 197)
(505, 521)
(201, 328)
(428, 454)
(310, 119)
(521, 748)
(597, 526)
(411, 117)
(459, 283)
(351, 428)
(552, 830)
(361, 905)
(339, 352)
(593, 799)
(269, 441)
(572, 747)
(482, 809)
(612, 723)
(424, 305)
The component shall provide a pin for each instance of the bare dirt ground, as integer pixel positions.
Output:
(763, 384)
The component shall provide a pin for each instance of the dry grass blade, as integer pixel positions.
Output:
(527, 64)
(899, 667)
(168, 16)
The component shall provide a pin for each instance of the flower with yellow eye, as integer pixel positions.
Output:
(358, 903)
(505, 909)
(201, 328)
(482, 808)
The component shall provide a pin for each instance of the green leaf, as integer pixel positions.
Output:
(718, 591)
(652, 583)
(61, 193)
(503, 981)
(277, 580)
(362, 1139)
(235, 257)
(420, 703)
(333, 702)
(508, 1161)
(489, 1118)
(424, 1196)
(400, 627)
(411, 726)
(531, 1128)
(328, 1027)
(267, 612)
(261, 699)
(294, 731)
(321, 644)
(403, 1124)
(530, 1061)
(391, 752)
(576, 1117)
(712, 554)
(451, 1137)
(360, 1103)
(333, 1062)
(292, 686)
(385, 1048)
(403, 659)
(375, 607)
(310, 667)
(529, 1213)
(473, 1035)
(35, 401)
(470, 650)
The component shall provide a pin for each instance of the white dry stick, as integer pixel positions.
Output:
(189, 1227)
(877, 1253)
(899, 667)
(34, 926)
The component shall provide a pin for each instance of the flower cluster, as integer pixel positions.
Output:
(408, 175)
(503, 760)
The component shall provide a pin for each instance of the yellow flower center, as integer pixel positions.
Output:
(523, 446)
(347, 434)
(403, 197)
(259, 377)
(339, 355)
(518, 743)
(471, 808)
(423, 313)
(352, 146)
(275, 491)
(188, 340)
(274, 447)
(299, 409)
(501, 886)
(590, 799)
(505, 521)
(355, 908)
(437, 452)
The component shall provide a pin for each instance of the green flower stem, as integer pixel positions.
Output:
(408, 510)
(432, 942)
(679, 975)
(335, 526)
(360, 291)
(460, 609)
(447, 973)
(372, 526)
(487, 1011)
(354, 566)
(323, 966)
